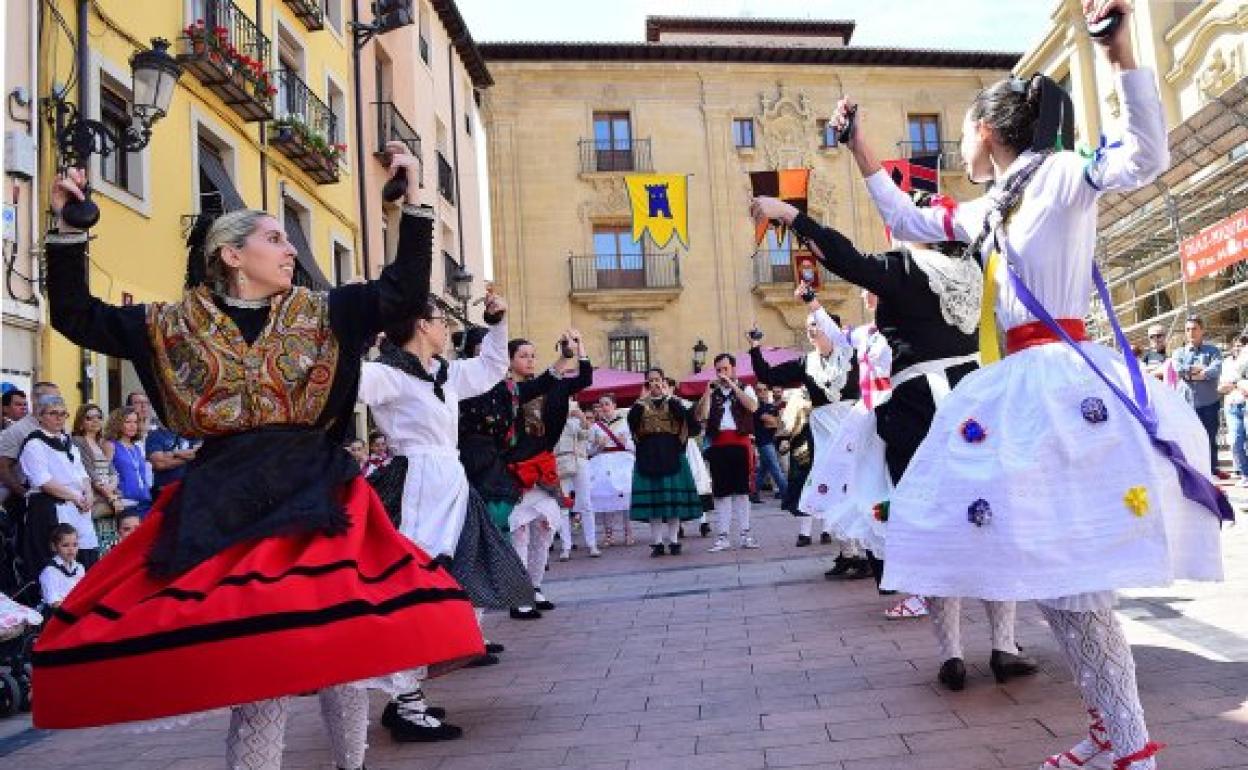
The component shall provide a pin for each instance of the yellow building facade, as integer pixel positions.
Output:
(713, 99)
(1199, 52)
(260, 117)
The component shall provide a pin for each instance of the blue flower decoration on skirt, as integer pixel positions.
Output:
(973, 432)
(1094, 410)
(979, 513)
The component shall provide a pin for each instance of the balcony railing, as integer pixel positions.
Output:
(230, 55)
(605, 272)
(446, 180)
(775, 266)
(305, 128)
(393, 127)
(948, 154)
(309, 12)
(606, 156)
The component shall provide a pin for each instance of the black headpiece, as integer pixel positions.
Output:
(196, 259)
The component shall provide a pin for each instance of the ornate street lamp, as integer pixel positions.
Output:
(699, 356)
(461, 288)
(155, 73)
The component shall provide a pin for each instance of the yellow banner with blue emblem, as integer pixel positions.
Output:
(660, 204)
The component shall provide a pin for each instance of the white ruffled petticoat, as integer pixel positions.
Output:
(1049, 502)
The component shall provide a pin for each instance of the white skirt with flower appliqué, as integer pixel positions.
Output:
(1048, 503)
(849, 476)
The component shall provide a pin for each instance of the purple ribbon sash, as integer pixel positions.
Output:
(1194, 484)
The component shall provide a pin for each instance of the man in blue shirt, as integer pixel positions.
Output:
(1200, 366)
(168, 453)
(766, 423)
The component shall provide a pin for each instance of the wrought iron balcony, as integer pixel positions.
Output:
(948, 155)
(392, 127)
(599, 156)
(608, 272)
(309, 12)
(775, 266)
(305, 129)
(230, 55)
(446, 180)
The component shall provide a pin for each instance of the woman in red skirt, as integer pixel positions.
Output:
(272, 568)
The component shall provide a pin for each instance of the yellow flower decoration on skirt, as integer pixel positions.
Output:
(1136, 500)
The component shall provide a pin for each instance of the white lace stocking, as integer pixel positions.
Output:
(345, 711)
(1001, 624)
(1100, 660)
(257, 735)
(946, 615)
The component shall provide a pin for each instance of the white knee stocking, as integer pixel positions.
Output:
(741, 505)
(345, 711)
(658, 529)
(946, 615)
(673, 531)
(540, 539)
(805, 525)
(1001, 624)
(723, 515)
(589, 531)
(1104, 669)
(257, 735)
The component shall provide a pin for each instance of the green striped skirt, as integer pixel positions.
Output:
(672, 497)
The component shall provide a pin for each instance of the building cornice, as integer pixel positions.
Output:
(839, 28)
(681, 52)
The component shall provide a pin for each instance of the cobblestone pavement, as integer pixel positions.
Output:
(750, 659)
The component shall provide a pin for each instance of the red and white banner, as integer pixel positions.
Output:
(1216, 247)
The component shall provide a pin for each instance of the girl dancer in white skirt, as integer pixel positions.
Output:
(830, 376)
(611, 459)
(1059, 474)
(414, 394)
(927, 309)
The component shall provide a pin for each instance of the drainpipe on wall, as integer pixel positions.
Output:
(357, 86)
(86, 367)
(459, 190)
(264, 161)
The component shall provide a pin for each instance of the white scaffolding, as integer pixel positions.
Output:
(1141, 230)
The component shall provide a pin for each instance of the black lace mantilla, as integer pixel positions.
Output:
(266, 482)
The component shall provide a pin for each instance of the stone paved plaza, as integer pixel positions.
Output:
(750, 659)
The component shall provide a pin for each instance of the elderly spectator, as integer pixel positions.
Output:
(12, 482)
(123, 431)
(60, 488)
(1154, 359)
(97, 458)
(1234, 387)
(14, 406)
(1199, 364)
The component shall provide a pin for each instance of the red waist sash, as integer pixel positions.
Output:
(540, 469)
(1036, 333)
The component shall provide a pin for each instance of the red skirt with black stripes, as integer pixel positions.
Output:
(262, 619)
